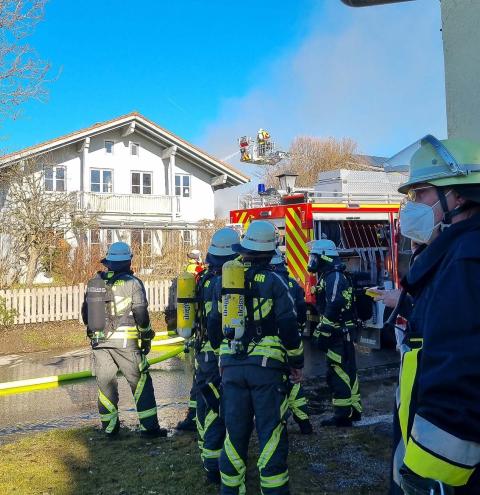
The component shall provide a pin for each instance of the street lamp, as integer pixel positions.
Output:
(287, 181)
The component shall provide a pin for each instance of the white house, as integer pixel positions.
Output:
(138, 178)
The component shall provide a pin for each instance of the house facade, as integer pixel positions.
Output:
(138, 179)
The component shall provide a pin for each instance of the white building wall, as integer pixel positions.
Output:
(200, 204)
(70, 158)
(123, 163)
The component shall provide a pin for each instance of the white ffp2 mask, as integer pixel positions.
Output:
(417, 221)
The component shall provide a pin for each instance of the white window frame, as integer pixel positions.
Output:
(101, 170)
(181, 186)
(90, 243)
(105, 146)
(54, 178)
(103, 234)
(132, 144)
(142, 173)
(146, 261)
(187, 237)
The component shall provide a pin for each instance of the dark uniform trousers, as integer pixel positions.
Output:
(210, 427)
(342, 378)
(134, 367)
(253, 391)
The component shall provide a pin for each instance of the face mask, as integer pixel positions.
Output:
(417, 221)
(313, 264)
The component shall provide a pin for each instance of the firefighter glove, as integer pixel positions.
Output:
(146, 346)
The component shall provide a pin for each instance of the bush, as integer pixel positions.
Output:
(7, 316)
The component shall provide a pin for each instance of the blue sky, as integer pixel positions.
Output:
(212, 70)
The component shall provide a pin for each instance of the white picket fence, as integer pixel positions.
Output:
(65, 303)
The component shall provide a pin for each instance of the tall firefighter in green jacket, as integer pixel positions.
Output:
(261, 346)
(210, 427)
(116, 314)
(437, 449)
(335, 332)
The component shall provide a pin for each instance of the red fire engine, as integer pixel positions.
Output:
(363, 227)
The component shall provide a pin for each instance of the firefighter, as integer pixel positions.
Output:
(262, 136)
(437, 449)
(196, 267)
(296, 395)
(116, 314)
(255, 360)
(194, 264)
(335, 333)
(210, 426)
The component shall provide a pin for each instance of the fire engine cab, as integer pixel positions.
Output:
(358, 210)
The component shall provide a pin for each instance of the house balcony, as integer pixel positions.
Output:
(130, 204)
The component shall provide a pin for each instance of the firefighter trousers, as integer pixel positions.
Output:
(134, 367)
(297, 402)
(253, 391)
(192, 400)
(342, 378)
(210, 427)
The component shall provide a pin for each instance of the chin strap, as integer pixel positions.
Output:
(449, 214)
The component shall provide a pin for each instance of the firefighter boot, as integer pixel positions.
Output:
(338, 421)
(156, 433)
(188, 424)
(356, 416)
(305, 426)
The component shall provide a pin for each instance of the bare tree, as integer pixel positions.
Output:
(22, 73)
(311, 155)
(33, 220)
(175, 248)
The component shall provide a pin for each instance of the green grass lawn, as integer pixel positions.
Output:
(83, 461)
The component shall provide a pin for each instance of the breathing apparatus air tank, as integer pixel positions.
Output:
(185, 304)
(233, 300)
(96, 304)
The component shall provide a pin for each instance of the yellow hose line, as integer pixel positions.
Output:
(167, 342)
(20, 386)
(174, 352)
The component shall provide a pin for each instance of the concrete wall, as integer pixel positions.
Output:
(461, 40)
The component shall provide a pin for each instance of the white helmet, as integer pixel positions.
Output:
(323, 247)
(119, 251)
(278, 258)
(260, 237)
(194, 254)
(222, 240)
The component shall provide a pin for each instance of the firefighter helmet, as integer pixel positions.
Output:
(119, 251)
(260, 238)
(322, 247)
(451, 162)
(194, 254)
(222, 241)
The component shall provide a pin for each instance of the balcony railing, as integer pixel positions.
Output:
(137, 204)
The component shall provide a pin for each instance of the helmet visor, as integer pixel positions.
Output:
(425, 160)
